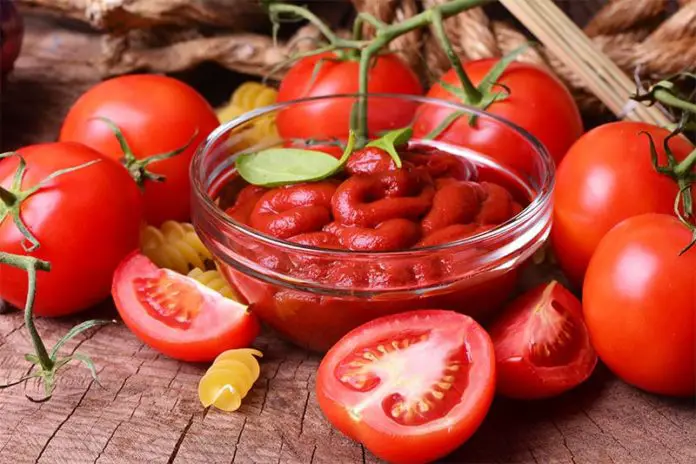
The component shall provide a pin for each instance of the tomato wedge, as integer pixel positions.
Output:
(412, 387)
(542, 346)
(177, 315)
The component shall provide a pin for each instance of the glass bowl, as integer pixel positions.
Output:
(285, 282)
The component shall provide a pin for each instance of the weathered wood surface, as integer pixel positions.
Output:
(147, 410)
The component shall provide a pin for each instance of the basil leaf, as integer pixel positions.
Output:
(283, 166)
(389, 141)
(280, 166)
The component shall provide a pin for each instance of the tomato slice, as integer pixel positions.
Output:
(177, 315)
(541, 344)
(411, 387)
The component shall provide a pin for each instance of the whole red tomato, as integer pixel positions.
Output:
(156, 114)
(326, 74)
(639, 301)
(606, 177)
(85, 221)
(537, 102)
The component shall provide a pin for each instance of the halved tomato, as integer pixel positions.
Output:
(177, 315)
(411, 387)
(542, 347)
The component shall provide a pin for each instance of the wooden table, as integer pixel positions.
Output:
(148, 411)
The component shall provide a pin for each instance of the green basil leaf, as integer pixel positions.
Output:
(392, 139)
(280, 166)
(283, 166)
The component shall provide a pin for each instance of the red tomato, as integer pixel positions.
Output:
(606, 177)
(541, 344)
(538, 102)
(639, 301)
(331, 118)
(411, 387)
(86, 221)
(156, 114)
(177, 315)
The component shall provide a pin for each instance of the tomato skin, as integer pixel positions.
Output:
(220, 325)
(538, 102)
(157, 114)
(519, 374)
(86, 221)
(385, 437)
(606, 177)
(331, 118)
(639, 301)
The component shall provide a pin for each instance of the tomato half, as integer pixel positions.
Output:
(606, 177)
(411, 387)
(542, 348)
(157, 114)
(537, 102)
(639, 301)
(86, 221)
(331, 117)
(177, 315)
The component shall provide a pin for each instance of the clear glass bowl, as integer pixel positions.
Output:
(475, 275)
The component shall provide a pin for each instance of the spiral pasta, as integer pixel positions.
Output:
(247, 97)
(251, 95)
(214, 280)
(228, 380)
(174, 246)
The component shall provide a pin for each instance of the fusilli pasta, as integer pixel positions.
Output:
(214, 280)
(247, 97)
(174, 246)
(229, 379)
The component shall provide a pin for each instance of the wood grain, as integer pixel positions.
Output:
(148, 412)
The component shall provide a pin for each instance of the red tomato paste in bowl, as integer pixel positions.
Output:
(448, 229)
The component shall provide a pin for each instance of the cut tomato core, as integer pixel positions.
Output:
(555, 334)
(169, 299)
(415, 388)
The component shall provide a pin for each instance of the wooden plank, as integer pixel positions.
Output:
(148, 410)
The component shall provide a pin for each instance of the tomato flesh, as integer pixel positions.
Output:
(541, 344)
(178, 316)
(169, 298)
(411, 387)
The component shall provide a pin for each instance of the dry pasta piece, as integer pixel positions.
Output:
(213, 279)
(174, 246)
(229, 112)
(251, 95)
(229, 379)
(247, 97)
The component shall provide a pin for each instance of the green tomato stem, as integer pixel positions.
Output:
(473, 95)
(666, 97)
(390, 32)
(31, 266)
(684, 168)
(280, 8)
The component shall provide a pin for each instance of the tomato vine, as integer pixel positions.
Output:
(667, 93)
(47, 363)
(365, 51)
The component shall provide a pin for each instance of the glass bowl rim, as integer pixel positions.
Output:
(529, 212)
